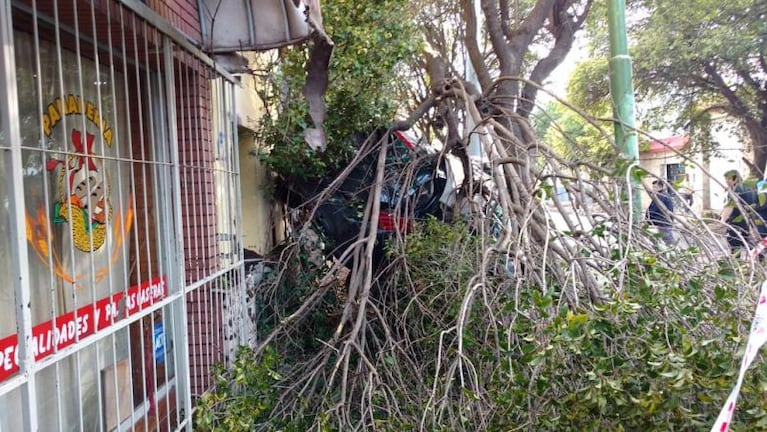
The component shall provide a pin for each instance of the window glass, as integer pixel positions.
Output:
(10, 411)
(8, 339)
(77, 193)
(78, 219)
(674, 172)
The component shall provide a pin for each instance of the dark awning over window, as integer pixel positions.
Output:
(252, 25)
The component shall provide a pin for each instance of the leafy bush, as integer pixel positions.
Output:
(371, 40)
(661, 357)
(243, 397)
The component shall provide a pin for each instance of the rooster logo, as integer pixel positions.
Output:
(83, 199)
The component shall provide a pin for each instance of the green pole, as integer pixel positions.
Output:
(622, 92)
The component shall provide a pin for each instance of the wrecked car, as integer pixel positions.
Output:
(413, 185)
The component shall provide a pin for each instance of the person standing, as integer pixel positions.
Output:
(749, 196)
(739, 198)
(660, 213)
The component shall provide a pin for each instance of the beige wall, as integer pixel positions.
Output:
(655, 164)
(261, 220)
(258, 209)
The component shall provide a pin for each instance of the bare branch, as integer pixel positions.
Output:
(477, 61)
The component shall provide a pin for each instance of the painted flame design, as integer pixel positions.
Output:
(40, 238)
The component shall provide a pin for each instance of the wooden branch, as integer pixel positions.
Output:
(509, 59)
(544, 67)
(738, 105)
(504, 8)
(416, 115)
(581, 19)
(752, 166)
(295, 317)
(524, 36)
(475, 56)
(509, 160)
(748, 79)
(763, 61)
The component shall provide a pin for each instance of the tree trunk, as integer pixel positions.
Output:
(758, 135)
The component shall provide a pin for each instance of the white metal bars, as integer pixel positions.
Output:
(118, 154)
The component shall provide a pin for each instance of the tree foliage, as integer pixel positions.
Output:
(694, 58)
(577, 136)
(660, 354)
(371, 42)
(589, 87)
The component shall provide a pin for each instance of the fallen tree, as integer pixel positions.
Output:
(563, 317)
(536, 305)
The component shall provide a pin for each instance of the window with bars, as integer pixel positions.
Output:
(674, 172)
(120, 184)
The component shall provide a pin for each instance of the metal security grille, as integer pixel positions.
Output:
(121, 278)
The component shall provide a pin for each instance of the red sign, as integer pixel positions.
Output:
(71, 327)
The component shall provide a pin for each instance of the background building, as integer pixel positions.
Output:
(679, 161)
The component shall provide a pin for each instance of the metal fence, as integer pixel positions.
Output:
(121, 272)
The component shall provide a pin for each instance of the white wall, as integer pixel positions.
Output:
(730, 153)
(706, 179)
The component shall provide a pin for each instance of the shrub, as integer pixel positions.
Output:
(661, 357)
(242, 397)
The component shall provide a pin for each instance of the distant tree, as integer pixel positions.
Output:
(695, 57)
(588, 86)
(574, 136)
(581, 130)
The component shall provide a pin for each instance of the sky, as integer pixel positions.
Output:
(557, 81)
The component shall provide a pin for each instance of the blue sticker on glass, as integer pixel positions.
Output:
(159, 343)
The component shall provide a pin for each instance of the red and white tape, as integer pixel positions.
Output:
(756, 338)
(762, 245)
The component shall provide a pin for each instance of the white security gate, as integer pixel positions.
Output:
(120, 264)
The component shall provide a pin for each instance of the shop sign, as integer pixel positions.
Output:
(81, 205)
(70, 327)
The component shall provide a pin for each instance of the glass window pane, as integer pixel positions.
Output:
(10, 411)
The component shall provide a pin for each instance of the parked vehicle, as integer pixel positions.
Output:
(409, 192)
(418, 182)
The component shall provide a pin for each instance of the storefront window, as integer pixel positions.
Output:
(90, 181)
(10, 411)
(119, 197)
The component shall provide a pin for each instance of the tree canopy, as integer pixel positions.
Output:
(575, 135)
(698, 57)
(372, 40)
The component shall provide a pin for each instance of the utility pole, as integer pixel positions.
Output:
(622, 91)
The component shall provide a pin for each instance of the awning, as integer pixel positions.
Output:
(230, 26)
(254, 25)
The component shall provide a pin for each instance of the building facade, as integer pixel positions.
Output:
(695, 172)
(121, 261)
